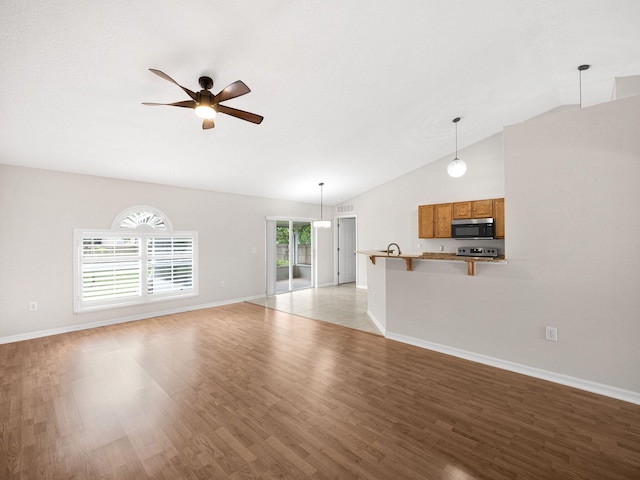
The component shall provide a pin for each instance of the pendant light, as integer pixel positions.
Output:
(321, 223)
(456, 167)
(581, 69)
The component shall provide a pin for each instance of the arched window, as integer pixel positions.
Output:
(141, 216)
(141, 259)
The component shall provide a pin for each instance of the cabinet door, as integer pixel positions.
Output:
(443, 213)
(461, 210)
(425, 221)
(482, 209)
(498, 217)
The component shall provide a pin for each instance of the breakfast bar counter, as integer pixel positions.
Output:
(437, 256)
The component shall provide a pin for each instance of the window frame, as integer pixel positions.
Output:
(143, 297)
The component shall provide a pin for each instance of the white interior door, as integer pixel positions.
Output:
(346, 249)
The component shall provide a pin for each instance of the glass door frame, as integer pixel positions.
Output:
(271, 252)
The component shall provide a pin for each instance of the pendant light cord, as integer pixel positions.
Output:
(581, 68)
(456, 139)
(456, 120)
(580, 88)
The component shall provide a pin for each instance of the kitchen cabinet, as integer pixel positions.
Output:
(442, 213)
(425, 221)
(473, 209)
(498, 217)
(434, 221)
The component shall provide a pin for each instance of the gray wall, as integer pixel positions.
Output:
(39, 210)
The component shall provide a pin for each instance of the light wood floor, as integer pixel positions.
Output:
(241, 391)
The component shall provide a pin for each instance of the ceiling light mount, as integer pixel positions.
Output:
(206, 83)
(321, 223)
(456, 167)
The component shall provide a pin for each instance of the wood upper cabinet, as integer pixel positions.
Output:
(498, 217)
(474, 209)
(425, 221)
(434, 221)
(442, 214)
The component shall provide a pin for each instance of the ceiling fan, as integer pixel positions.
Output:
(206, 104)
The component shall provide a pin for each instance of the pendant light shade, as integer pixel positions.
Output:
(456, 167)
(321, 223)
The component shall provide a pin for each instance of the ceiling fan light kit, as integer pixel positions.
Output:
(456, 167)
(206, 105)
(204, 111)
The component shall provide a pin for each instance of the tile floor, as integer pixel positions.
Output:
(342, 304)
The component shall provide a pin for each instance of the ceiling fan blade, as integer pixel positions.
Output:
(207, 123)
(193, 95)
(233, 90)
(185, 103)
(234, 112)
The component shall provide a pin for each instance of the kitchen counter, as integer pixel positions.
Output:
(437, 256)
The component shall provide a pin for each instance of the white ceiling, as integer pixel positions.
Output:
(354, 93)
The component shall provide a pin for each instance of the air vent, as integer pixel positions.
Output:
(344, 208)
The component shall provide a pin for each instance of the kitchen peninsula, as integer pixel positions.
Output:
(437, 256)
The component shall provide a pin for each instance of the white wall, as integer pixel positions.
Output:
(39, 210)
(571, 198)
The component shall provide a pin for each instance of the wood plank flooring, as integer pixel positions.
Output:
(244, 392)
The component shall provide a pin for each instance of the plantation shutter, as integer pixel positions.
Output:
(169, 264)
(121, 266)
(111, 268)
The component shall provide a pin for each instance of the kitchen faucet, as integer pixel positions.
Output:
(389, 248)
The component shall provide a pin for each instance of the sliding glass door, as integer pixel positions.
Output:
(289, 255)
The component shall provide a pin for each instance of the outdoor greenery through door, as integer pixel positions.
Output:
(293, 255)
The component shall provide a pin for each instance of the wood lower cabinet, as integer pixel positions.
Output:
(473, 209)
(498, 217)
(434, 221)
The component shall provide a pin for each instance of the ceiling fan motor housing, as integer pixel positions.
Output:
(205, 99)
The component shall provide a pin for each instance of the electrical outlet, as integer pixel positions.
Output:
(33, 306)
(551, 334)
(221, 284)
(442, 248)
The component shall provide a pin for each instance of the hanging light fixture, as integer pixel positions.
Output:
(456, 167)
(321, 223)
(581, 69)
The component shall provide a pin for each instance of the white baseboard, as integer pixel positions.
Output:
(587, 385)
(115, 321)
(376, 323)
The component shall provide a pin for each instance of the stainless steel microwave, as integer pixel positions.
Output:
(472, 229)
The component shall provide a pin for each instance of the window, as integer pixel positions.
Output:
(143, 261)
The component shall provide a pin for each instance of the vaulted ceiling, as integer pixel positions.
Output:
(354, 93)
